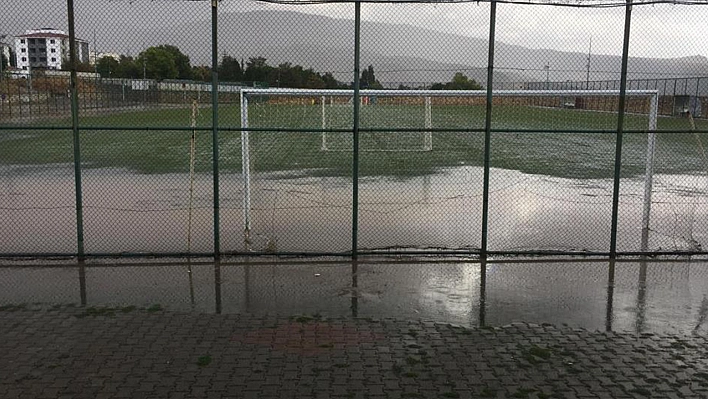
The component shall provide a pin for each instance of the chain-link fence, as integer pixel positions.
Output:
(190, 128)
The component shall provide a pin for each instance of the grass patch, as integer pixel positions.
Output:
(97, 311)
(13, 307)
(536, 354)
(318, 370)
(487, 393)
(700, 374)
(486, 328)
(204, 361)
(523, 393)
(641, 391)
(543, 353)
(155, 308)
(550, 153)
(412, 361)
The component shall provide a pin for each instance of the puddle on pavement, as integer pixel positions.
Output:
(650, 297)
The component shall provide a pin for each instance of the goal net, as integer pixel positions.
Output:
(405, 120)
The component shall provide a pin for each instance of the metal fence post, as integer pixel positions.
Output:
(75, 132)
(487, 128)
(215, 123)
(355, 131)
(620, 129)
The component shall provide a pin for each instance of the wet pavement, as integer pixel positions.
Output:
(68, 352)
(658, 297)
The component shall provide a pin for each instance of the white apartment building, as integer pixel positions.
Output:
(47, 48)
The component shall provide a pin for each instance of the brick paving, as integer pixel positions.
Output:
(65, 352)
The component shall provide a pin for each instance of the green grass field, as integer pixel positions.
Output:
(560, 153)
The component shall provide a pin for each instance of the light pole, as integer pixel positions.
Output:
(547, 68)
(587, 77)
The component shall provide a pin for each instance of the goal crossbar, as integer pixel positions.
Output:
(443, 93)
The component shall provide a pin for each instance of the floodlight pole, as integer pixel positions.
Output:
(620, 130)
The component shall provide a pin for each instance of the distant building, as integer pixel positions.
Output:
(95, 56)
(47, 48)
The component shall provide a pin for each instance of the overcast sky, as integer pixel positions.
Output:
(663, 31)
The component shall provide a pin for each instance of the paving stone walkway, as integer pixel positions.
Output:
(65, 352)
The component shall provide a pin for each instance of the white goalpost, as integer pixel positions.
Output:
(412, 115)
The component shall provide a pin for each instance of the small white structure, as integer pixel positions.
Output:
(46, 48)
(5, 50)
(94, 56)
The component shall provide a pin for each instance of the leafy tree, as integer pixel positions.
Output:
(289, 76)
(108, 67)
(459, 82)
(202, 73)
(159, 63)
(84, 67)
(181, 60)
(230, 70)
(462, 82)
(330, 82)
(368, 79)
(258, 70)
(128, 68)
(314, 80)
(164, 62)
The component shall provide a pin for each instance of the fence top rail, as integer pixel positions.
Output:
(443, 93)
(561, 3)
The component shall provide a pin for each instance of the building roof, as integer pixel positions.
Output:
(43, 35)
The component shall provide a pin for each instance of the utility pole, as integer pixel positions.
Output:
(144, 84)
(547, 68)
(587, 78)
(95, 54)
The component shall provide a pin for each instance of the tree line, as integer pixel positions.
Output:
(168, 62)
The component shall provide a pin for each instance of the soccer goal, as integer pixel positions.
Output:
(428, 121)
(405, 120)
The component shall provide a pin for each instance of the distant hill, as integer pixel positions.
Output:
(399, 53)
